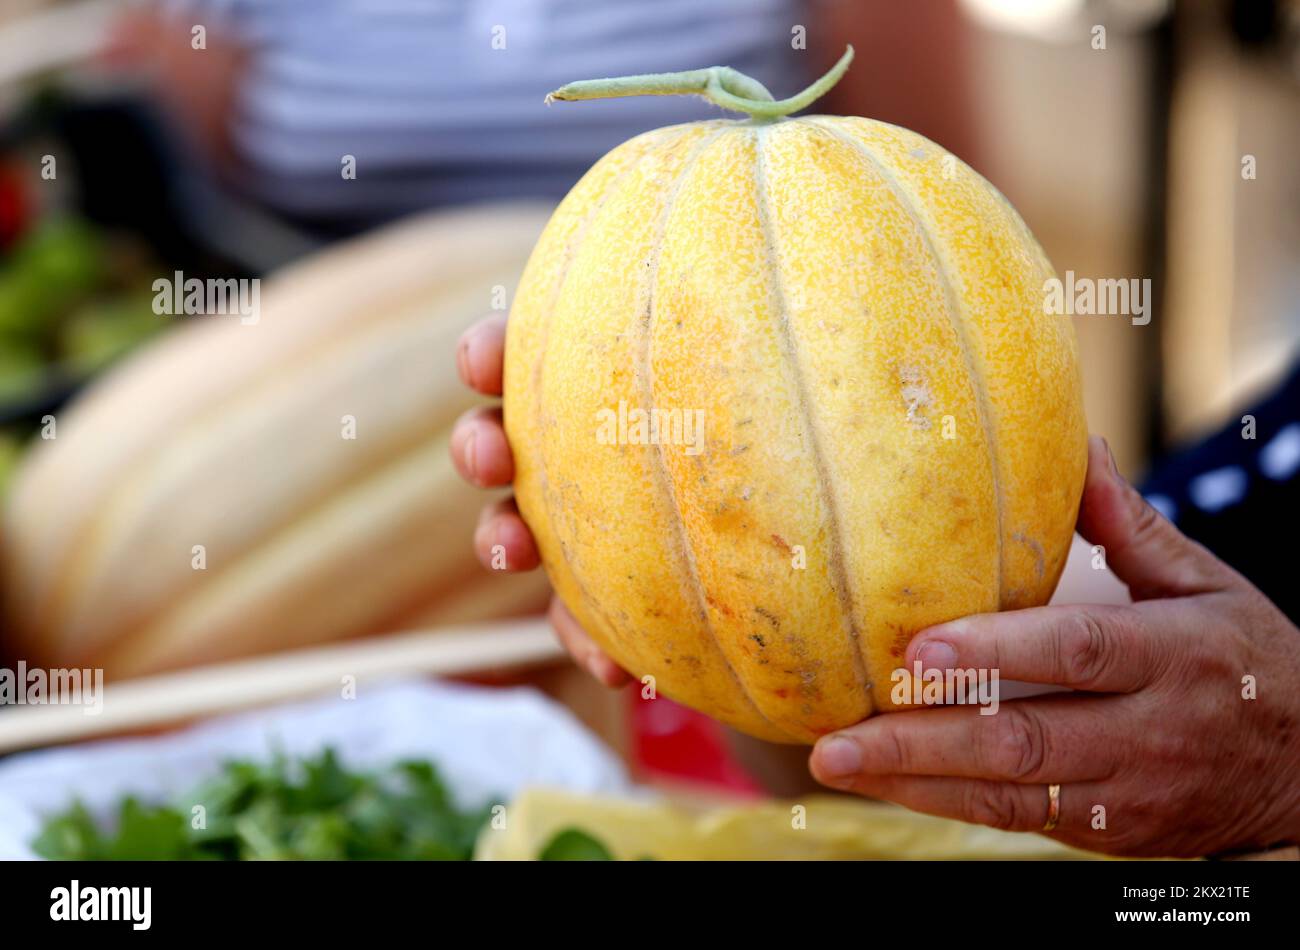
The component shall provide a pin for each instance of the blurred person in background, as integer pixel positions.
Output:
(438, 102)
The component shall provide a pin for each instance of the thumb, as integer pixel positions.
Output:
(1142, 547)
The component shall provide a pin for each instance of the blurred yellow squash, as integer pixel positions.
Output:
(819, 828)
(204, 501)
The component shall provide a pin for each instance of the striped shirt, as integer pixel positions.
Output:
(440, 101)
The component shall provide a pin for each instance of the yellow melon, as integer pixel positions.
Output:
(781, 393)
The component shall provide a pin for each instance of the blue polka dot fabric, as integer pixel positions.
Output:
(1237, 493)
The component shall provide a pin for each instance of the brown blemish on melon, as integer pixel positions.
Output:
(960, 527)
(899, 639)
(721, 608)
(914, 596)
(1040, 565)
(725, 518)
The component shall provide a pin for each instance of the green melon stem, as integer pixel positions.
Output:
(721, 85)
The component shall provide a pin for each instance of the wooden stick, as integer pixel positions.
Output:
(175, 697)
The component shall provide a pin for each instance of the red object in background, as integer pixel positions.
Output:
(13, 206)
(671, 741)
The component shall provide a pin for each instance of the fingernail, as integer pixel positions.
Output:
(838, 757)
(1110, 457)
(462, 361)
(471, 456)
(937, 655)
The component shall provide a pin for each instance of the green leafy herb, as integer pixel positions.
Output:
(571, 844)
(313, 809)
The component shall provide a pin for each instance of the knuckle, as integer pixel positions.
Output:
(993, 804)
(1015, 744)
(1086, 649)
(1148, 523)
(893, 751)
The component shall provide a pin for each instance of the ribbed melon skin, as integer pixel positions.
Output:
(836, 295)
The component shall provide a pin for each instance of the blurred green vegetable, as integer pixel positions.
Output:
(70, 298)
(104, 330)
(21, 370)
(314, 809)
(57, 264)
(21, 320)
(11, 449)
(572, 844)
(63, 254)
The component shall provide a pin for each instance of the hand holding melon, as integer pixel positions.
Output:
(891, 439)
(1168, 744)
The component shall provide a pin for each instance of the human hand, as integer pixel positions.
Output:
(1159, 734)
(482, 456)
(195, 87)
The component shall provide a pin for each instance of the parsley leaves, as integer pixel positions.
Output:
(312, 809)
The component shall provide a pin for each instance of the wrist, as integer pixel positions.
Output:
(1291, 828)
(1276, 833)
(1285, 831)
(1290, 852)
(1278, 841)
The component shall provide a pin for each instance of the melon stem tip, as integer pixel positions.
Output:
(721, 85)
